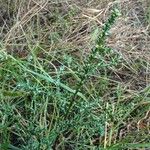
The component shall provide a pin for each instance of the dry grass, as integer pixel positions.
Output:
(66, 27)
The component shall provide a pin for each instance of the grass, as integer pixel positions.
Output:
(74, 75)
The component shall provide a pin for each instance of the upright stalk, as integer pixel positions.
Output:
(100, 46)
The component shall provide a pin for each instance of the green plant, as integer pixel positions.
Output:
(55, 96)
(100, 50)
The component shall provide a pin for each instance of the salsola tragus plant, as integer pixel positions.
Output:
(91, 62)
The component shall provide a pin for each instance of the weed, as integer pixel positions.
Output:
(59, 93)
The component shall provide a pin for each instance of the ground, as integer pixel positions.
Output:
(75, 74)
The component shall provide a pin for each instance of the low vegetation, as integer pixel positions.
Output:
(74, 75)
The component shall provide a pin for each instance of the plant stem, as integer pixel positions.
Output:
(100, 46)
